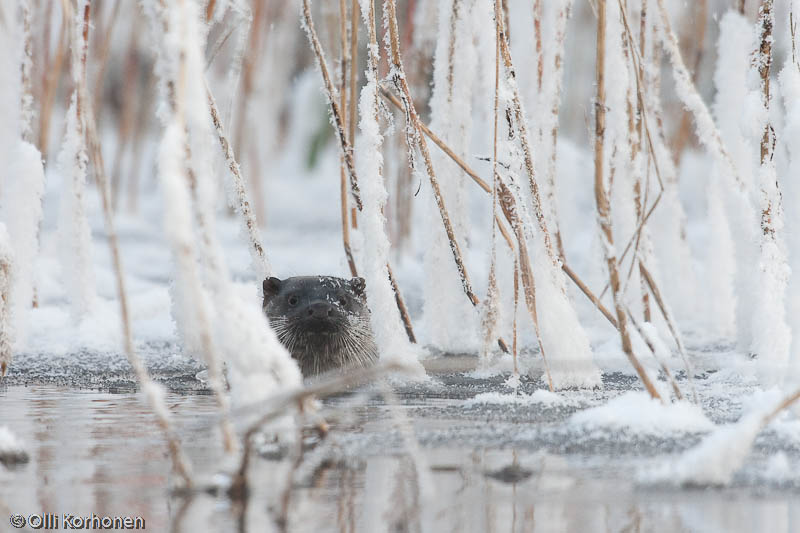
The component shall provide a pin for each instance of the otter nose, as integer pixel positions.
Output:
(320, 310)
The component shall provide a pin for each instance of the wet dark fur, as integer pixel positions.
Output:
(322, 320)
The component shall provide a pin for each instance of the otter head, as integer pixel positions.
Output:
(322, 320)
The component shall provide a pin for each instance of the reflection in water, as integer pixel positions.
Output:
(102, 453)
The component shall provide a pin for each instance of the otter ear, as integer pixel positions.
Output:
(358, 285)
(271, 287)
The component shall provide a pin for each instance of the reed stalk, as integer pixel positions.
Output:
(243, 205)
(330, 93)
(152, 392)
(603, 206)
(52, 78)
(414, 138)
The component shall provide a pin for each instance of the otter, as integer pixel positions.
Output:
(322, 320)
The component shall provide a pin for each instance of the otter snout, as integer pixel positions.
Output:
(319, 309)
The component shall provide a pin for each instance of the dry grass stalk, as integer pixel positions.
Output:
(345, 58)
(522, 133)
(560, 34)
(514, 350)
(509, 207)
(353, 71)
(6, 333)
(651, 344)
(683, 132)
(603, 206)
(330, 92)
(186, 251)
(401, 306)
(694, 102)
(179, 461)
(416, 138)
(243, 206)
(26, 104)
(483, 185)
(638, 69)
(673, 328)
(456, 159)
(102, 58)
(372, 63)
(52, 77)
(764, 61)
(128, 118)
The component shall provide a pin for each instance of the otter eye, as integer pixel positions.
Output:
(341, 299)
(292, 300)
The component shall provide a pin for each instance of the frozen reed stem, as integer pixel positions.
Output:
(242, 205)
(330, 93)
(376, 242)
(707, 130)
(6, 331)
(414, 136)
(52, 77)
(401, 306)
(485, 186)
(152, 391)
(603, 206)
(522, 129)
(509, 207)
(349, 119)
(26, 96)
(555, 104)
(651, 344)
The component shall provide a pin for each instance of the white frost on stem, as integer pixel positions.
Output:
(75, 234)
(259, 366)
(6, 312)
(387, 325)
(790, 91)
(23, 183)
(455, 61)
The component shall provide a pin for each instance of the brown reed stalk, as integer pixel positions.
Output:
(372, 62)
(451, 48)
(128, 118)
(6, 275)
(243, 202)
(573, 276)
(85, 116)
(519, 124)
(560, 35)
(353, 71)
(486, 188)
(413, 121)
(638, 69)
(683, 132)
(673, 328)
(26, 96)
(764, 62)
(510, 209)
(330, 93)
(603, 206)
(687, 91)
(401, 306)
(651, 344)
(514, 350)
(345, 58)
(102, 58)
(537, 32)
(52, 77)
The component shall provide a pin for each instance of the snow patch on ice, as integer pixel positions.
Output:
(540, 397)
(637, 412)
